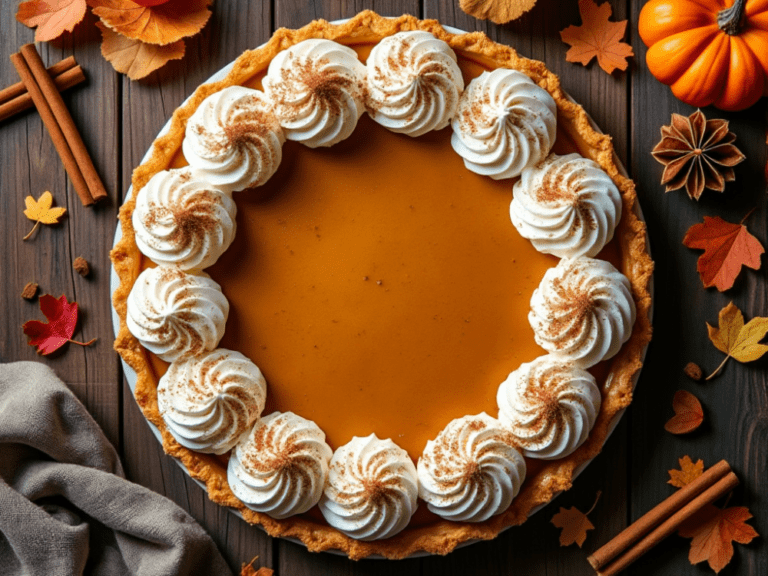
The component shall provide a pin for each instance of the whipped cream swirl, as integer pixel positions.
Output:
(566, 206)
(504, 124)
(317, 90)
(182, 221)
(371, 490)
(582, 311)
(233, 140)
(471, 471)
(210, 401)
(176, 315)
(549, 406)
(281, 466)
(414, 83)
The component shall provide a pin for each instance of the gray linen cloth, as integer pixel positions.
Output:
(65, 506)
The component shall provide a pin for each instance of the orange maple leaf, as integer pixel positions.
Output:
(597, 36)
(163, 24)
(574, 524)
(688, 413)
(135, 58)
(727, 247)
(688, 472)
(713, 531)
(51, 17)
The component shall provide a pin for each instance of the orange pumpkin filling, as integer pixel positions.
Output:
(381, 286)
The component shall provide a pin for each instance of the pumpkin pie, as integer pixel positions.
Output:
(384, 287)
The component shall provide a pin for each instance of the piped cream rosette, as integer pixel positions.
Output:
(549, 406)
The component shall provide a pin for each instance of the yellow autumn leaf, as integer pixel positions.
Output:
(40, 211)
(738, 340)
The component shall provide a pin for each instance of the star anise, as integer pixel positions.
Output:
(697, 153)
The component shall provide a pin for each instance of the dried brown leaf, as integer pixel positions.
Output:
(498, 11)
(163, 25)
(135, 58)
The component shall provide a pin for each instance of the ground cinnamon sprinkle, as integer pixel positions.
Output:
(192, 220)
(570, 309)
(326, 85)
(269, 452)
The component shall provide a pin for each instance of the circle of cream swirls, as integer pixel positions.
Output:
(513, 124)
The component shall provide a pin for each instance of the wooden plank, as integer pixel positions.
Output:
(30, 166)
(147, 105)
(735, 402)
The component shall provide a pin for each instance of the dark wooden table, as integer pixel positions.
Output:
(119, 119)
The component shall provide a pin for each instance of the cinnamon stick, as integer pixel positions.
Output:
(18, 89)
(657, 515)
(65, 121)
(64, 81)
(57, 136)
(671, 524)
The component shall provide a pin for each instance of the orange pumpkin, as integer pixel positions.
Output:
(708, 51)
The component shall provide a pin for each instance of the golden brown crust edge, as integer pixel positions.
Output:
(554, 477)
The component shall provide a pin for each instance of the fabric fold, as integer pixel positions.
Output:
(65, 506)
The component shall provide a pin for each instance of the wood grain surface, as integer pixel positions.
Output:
(119, 119)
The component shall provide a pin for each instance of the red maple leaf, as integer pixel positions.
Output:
(714, 530)
(727, 247)
(62, 319)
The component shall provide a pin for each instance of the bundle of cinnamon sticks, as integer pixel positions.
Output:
(15, 99)
(663, 520)
(42, 90)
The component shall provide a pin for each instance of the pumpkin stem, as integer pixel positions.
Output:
(729, 19)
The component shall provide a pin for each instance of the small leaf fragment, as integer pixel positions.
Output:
(160, 25)
(249, 570)
(693, 371)
(81, 266)
(30, 291)
(498, 11)
(135, 58)
(51, 17)
(688, 413)
(688, 472)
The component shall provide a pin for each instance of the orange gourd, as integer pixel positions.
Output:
(708, 51)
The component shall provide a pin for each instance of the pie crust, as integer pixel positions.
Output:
(553, 477)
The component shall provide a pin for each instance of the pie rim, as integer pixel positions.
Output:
(442, 536)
